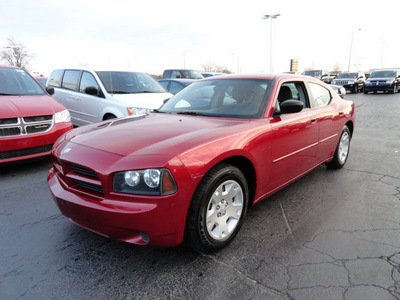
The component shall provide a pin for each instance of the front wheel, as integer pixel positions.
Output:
(218, 209)
(342, 150)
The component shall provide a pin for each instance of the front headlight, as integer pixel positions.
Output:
(145, 182)
(62, 116)
(368, 82)
(351, 82)
(334, 82)
(137, 111)
(389, 81)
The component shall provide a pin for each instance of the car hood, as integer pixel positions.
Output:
(165, 134)
(142, 100)
(27, 106)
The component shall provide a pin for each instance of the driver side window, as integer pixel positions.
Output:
(88, 80)
(293, 90)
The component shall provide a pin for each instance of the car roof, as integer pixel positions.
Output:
(183, 80)
(266, 76)
(10, 67)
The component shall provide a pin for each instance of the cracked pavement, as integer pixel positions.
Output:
(330, 235)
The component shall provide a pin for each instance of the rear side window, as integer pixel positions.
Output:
(55, 78)
(71, 79)
(322, 96)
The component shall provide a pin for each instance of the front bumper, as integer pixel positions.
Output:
(379, 88)
(88, 198)
(133, 222)
(20, 147)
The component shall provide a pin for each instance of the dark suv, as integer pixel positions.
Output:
(383, 80)
(353, 81)
(320, 74)
(182, 73)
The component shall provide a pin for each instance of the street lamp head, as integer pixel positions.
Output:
(272, 16)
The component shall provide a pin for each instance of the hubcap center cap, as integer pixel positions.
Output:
(221, 208)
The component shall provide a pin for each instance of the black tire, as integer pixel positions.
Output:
(210, 211)
(355, 89)
(109, 117)
(342, 150)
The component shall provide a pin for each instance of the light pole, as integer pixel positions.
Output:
(351, 49)
(271, 17)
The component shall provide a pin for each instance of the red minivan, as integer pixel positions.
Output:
(30, 120)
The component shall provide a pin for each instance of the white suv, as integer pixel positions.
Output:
(93, 96)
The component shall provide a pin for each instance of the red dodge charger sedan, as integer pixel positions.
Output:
(190, 170)
(30, 120)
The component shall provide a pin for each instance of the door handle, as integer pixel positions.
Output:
(313, 119)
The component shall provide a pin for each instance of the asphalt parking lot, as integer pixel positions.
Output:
(330, 235)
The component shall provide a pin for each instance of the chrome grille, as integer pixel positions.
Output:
(25, 125)
(341, 82)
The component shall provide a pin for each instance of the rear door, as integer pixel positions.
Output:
(327, 116)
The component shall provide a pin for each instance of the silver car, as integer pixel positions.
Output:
(92, 96)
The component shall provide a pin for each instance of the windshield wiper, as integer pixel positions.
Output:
(118, 92)
(190, 113)
(159, 111)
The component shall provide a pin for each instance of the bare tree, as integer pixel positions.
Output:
(213, 67)
(337, 67)
(15, 54)
(208, 66)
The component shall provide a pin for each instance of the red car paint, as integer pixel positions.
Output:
(273, 151)
(16, 141)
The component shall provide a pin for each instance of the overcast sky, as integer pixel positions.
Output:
(151, 36)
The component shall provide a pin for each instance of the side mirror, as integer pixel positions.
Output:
(50, 90)
(291, 106)
(91, 90)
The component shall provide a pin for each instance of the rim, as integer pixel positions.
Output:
(224, 210)
(344, 147)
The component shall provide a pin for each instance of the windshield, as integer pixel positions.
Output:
(230, 98)
(315, 73)
(18, 82)
(129, 83)
(347, 75)
(383, 74)
(191, 74)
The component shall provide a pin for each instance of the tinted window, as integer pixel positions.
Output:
(175, 87)
(18, 82)
(176, 74)
(348, 75)
(88, 80)
(191, 74)
(129, 83)
(164, 84)
(321, 95)
(55, 78)
(383, 74)
(71, 79)
(228, 98)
